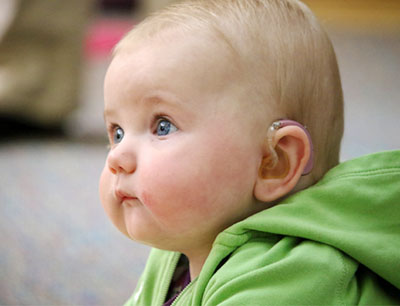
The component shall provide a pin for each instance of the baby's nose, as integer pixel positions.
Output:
(121, 158)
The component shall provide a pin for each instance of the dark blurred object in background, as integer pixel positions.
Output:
(119, 6)
(40, 64)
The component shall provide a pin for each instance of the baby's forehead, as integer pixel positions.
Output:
(173, 50)
(206, 43)
(172, 60)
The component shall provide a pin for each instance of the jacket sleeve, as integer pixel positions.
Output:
(290, 272)
(154, 282)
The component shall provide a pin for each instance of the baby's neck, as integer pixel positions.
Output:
(197, 260)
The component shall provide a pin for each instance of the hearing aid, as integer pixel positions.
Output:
(274, 156)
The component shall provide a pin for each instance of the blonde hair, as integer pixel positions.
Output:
(288, 60)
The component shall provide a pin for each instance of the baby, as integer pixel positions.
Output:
(221, 116)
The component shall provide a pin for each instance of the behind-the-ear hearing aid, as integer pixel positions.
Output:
(286, 122)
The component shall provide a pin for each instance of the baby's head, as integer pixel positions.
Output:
(286, 61)
(189, 99)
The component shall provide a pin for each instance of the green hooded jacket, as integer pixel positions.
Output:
(335, 243)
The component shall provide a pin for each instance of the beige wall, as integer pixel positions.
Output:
(357, 14)
(366, 15)
(154, 5)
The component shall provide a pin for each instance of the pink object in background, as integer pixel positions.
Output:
(103, 34)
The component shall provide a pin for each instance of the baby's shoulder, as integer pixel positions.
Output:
(269, 267)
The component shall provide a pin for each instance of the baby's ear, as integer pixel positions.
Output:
(279, 173)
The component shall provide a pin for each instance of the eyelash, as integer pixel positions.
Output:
(111, 128)
(156, 121)
(110, 132)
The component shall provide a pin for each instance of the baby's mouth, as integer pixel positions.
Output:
(122, 196)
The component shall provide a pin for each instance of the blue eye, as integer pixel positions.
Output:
(165, 127)
(118, 134)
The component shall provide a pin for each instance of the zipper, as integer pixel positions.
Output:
(167, 278)
(183, 292)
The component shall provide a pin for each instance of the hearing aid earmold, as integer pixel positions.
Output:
(286, 122)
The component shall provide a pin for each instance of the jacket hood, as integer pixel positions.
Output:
(355, 208)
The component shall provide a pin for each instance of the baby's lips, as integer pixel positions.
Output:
(122, 195)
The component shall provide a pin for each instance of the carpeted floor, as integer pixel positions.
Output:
(57, 246)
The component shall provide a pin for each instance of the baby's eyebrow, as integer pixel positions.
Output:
(161, 98)
(107, 113)
(149, 101)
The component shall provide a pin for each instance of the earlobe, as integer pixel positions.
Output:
(286, 157)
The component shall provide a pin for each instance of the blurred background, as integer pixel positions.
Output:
(57, 246)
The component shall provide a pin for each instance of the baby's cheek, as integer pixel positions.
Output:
(105, 191)
(104, 187)
(171, 193)
(110, 205)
